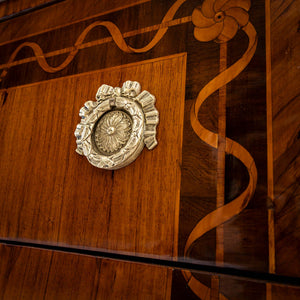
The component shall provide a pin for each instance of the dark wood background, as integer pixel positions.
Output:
(53, 197)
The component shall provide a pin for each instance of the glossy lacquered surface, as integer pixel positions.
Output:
(220, 189)
(27, 273)
(39, 274)
(61, 198)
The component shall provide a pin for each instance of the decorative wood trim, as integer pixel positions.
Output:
(210, 25)
(271, 225)
(270, 140)
(97, 42)
(215, 280)
(215, 287)
(136, 211)
(77, 21)
(97, 71)
(207, 28)
(116, 36)
(169, 284)
(221, 156)
(177, 196)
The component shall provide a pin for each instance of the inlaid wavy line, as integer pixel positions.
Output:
(105, 40)
(114, 32)
(228, 211)
(200, 289)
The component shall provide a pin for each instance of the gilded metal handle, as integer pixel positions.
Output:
(114, 129)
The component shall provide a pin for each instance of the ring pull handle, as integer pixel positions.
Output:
(114, 128)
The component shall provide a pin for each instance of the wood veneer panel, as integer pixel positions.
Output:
(280, 292)
(230, 288)
(27, 273)
(25, 64)
(59, 14)
(51, 194)
(217, 287)
(11, 7)
(285, 46)
(245, 235)
(246, 121)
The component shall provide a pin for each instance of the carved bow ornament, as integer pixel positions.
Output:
(114, 129)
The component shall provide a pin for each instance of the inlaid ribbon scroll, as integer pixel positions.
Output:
(114, 32)
(219, 21)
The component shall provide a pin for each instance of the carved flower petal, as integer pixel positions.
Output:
(230, 29)
(122, 126)
(114, 119)
(103, 130)
(245, 4)
(113, 143)
(208, 33)
(199, 20)
(105, 124)
(208, 8)
(118, 119)
(239, 14)
(121, 138)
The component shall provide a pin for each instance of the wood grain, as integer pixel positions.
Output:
(220, 201)
(70, 49)
(54, 195)
(224, 213)
(42, 200)
(282, 292)
(11, 7)
(116, 36)
(271, 234)
(27, 273)
(285, 45)
(245, 235)
(232, 288)
(59, 14)
(226, 287)
(221, 156)
(271, 225)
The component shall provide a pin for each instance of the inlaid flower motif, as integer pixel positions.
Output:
(219, 20)
(113, 131)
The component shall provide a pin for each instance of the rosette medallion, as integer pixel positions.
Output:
(114, 128)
